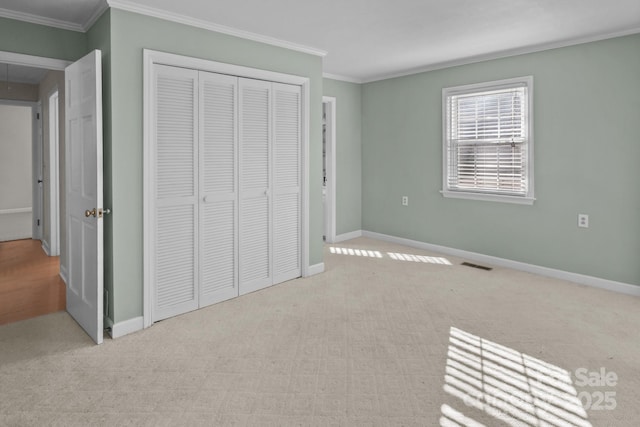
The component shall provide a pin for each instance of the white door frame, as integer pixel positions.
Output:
(330, 155)
(151, 58)
(54, 173)
(33, 61)
(37, 191)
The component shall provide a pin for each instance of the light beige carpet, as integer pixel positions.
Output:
(387, 336)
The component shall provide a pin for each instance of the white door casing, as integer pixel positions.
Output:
(83, 183)
(54, 175)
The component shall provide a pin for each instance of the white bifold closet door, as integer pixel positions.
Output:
(176, 192)
(287, 201)
(227, 202)
(218, 188)
(270, 225)
(255, 185)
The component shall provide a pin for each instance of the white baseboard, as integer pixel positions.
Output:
(127, 327)
(347, 236)
(315, 269)
(63, 273)
(596, 282)
(45, 247)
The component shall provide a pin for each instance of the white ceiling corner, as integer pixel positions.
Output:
(99, 9)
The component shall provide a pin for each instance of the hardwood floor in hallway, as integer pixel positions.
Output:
(30, 283)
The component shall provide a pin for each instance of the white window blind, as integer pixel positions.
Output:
(488, 144)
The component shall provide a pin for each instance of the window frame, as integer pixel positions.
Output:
(447, 92)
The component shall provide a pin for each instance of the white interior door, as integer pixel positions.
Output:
(84, 193)
(38, 181)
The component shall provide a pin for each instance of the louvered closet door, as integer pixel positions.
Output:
(175, 158)
(287, 177)
(218, 188)
(255, 185)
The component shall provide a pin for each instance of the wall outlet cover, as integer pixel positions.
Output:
(583, 220)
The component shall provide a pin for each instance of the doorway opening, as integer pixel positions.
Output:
(54, 174)
(30, 282)
(18, 156)
(329, 167)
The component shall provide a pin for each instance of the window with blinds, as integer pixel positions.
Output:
(488, 144)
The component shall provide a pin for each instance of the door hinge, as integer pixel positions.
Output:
(38, 116)
(38, 223)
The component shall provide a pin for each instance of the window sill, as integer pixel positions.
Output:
(488, 197)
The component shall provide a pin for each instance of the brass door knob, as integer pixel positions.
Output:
(89, 213)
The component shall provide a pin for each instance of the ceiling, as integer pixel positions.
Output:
(367, 40)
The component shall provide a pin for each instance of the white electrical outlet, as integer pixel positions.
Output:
(405, 200)
(583, 220)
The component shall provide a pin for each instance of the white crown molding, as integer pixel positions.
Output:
(342, 78)
(35, 19)
(505, 54)
(198, 23)
(161, 14)
(130, 6)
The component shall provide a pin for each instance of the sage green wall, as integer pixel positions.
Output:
(348, 153)
(39, 40)
(99, 37)
(130, 34)
(586, 106)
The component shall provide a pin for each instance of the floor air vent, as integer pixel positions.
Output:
(481, 267)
